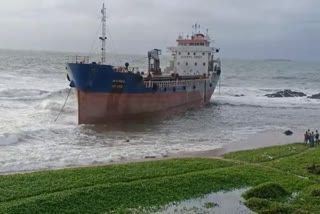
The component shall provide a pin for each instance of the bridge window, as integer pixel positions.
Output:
(194, 53)
(188, 54)
(204, 64)
(179, 53)
(187, 63)
(203, 54)
(195, 64)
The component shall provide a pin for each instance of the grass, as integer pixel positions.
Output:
(266, 191)
(14, 187)
(267, 154)
(140, 186)
(299, 164)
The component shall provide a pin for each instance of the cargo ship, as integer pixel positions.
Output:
(106, 92)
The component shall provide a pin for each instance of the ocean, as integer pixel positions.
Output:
(34, 87)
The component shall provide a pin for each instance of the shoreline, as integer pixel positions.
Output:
(259, 140)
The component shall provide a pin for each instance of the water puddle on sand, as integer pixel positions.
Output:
(217, 203)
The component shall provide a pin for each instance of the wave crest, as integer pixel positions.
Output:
(30, 94)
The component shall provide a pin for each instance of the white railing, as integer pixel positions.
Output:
(78, 59)
(170, 84)
(122, 69)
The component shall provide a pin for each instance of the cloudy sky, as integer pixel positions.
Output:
(241, 28)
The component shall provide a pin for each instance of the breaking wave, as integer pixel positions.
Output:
(54, 105)
(255, 97)
(30, 94)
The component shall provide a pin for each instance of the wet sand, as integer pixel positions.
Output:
(260, 140)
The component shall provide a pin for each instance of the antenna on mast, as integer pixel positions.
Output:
(192, 30)
(196, 28)
(103, 38)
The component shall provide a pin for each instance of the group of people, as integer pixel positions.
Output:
(311, 138)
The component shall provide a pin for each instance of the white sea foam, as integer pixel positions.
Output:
(7, 139)
(254, 97)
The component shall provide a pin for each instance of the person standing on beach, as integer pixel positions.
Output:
(311, 140)
(317, 137)
(306, 137)
(309, 135)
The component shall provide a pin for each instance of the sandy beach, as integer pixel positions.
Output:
(260, 140)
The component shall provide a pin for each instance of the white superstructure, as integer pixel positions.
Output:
(193, 56)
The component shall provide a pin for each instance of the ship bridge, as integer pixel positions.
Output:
(193, 55)
(195, 40)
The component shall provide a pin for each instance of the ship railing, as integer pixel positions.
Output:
(122, 69)
(171, 84)
(78, 59)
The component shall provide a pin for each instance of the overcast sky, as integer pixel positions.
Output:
(241, 28)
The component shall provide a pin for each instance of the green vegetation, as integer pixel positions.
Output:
(267, 154)
(34, 184)
(209, 205)
(266, 191)
(282, 184)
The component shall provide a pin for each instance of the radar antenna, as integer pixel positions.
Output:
(103, 38)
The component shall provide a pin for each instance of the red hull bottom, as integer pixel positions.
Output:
(99, 108)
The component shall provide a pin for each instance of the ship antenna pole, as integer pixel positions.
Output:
(103, 38)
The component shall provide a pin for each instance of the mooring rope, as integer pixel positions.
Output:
(64, 105)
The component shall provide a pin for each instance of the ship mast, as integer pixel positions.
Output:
(103, 38)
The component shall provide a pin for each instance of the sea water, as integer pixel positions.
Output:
(34, 87)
